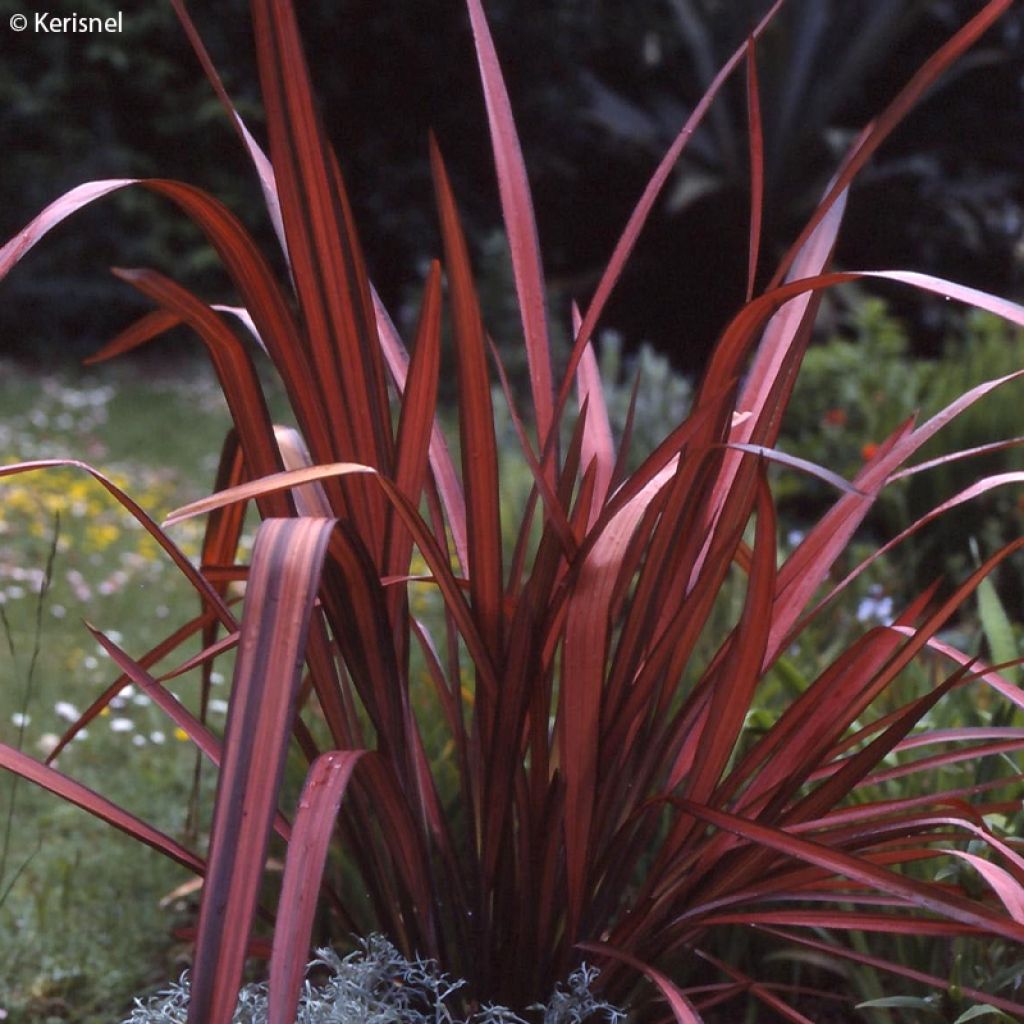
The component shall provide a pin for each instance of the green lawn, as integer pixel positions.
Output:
(81, 925)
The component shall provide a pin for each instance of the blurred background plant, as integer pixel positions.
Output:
(82, 927)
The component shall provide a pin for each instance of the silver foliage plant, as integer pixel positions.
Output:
(377, 985)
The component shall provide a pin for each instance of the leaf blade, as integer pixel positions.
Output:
(285, 575)
(325, 786)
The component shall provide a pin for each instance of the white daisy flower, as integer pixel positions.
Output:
(66, 710)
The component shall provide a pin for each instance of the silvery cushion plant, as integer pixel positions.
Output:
(377, 985)
(555, 764)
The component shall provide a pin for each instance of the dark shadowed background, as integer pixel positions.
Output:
(599, 89)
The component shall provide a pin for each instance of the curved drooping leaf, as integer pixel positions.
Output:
(925, 896)
(259, 159)
(81, 796)
(1005, 886)
(235, 371)
(682, 1009)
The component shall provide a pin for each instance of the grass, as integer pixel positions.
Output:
(81, 927)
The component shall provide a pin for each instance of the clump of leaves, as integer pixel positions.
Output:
(607, 799)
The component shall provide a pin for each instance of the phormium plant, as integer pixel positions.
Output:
(608, 802)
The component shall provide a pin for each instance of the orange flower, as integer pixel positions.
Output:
(835, 418)
(867, 453)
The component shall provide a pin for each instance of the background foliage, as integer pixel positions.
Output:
(599, 89)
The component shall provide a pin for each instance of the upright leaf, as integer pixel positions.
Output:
(598, 446)
(476, 419)
(283, 582)
(326, 260)
(519, 221)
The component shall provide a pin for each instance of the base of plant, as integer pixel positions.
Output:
(377, 985)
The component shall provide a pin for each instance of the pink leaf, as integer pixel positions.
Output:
(321, 798)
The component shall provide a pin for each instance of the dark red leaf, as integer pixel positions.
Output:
(755, 135)
(476, 419)
(520, 225)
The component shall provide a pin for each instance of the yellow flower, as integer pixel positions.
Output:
(100, 536)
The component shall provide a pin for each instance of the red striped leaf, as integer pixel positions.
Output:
(882, 126)
(1005, 886)
(762, 992)
(313, 828)
(263, 169)
(81, 796)
(52, 215)
(927, 897)
(476, 419)
(419, 401)
(282, 586)
(755, 135)
(327, 263)
(263, 298)
(444, 476)
(598, 446)
(436, 558)
(520, 225)
(741, 669)
(889, 966)
(235, 371)
(638, 218)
